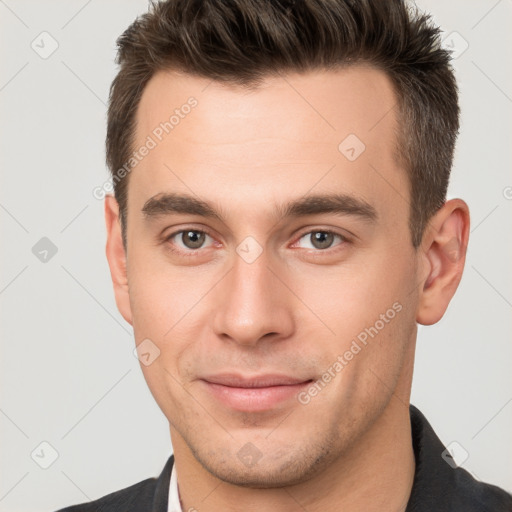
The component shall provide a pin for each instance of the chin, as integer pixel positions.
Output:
(284, 469)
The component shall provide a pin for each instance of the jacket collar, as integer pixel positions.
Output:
(435, 479)
(161, 496)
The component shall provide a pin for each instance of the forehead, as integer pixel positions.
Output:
(330, 101)
(209, 138)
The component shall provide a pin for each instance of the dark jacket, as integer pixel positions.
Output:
(437, 487)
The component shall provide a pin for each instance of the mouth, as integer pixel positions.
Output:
(253, 393)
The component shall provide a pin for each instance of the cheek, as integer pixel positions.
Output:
(367, 318)
(163, 309)
(170, 308)
(348, 298)
(382, 337)
(161, 296)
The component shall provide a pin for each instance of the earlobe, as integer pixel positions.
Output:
(444, 255)
(116, 257)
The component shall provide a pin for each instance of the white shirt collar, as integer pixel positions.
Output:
(174, 496)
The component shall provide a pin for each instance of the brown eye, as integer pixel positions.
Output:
(320, 240)
(187, 240)
(193, 239)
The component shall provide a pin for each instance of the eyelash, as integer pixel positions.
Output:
(195, 252)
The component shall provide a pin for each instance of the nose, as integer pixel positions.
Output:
(253, 304)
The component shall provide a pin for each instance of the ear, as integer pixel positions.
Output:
(116, 257)
(444, 254)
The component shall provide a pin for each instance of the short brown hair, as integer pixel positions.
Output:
(243, 41)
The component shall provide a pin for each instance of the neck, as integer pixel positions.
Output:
(375, 475)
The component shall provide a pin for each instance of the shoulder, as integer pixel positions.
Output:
(132, 498)
(478, 496)
(150, 494)
(439, 484)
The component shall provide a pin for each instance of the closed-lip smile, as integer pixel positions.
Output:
(255, 393)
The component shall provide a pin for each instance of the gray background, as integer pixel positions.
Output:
(68, 374)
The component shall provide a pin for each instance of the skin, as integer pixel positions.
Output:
(295, 308)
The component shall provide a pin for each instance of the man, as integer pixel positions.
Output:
(279, 228)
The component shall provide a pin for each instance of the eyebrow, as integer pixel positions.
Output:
(340, 204)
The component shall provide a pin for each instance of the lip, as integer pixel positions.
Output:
(253, 393)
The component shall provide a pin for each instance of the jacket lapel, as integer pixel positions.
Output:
(161, 496)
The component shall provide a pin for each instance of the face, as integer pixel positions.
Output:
(270, 266)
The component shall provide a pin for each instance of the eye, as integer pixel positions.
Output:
(189, 239)
(321, 239)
